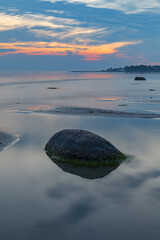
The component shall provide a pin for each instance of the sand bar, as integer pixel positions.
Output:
(95, 112)
(7, 140)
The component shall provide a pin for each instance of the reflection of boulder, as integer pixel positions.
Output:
(140, 78)
(85, 172)
(83, 148)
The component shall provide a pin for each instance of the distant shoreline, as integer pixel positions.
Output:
(88, 71)
(104, 71)
(131, 69)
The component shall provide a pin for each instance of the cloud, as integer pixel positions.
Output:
(49, 26)
(11, 21)
(76, 34)
(126, 6)
(59, 36)
(55, 11)
(94, 52)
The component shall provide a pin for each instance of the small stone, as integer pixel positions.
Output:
(51, 88)
(140, 78)
(122, 105)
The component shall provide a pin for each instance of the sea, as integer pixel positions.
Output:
(42, 200)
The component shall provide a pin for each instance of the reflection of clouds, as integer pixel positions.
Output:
(56, 193)
(155, 193)
(126, 187)
(81, 210)
(119, 197)
(63, 191)
(70, 221)
(141, 178)
(98, 207)
(127, 6)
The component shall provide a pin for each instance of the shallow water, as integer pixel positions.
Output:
(41, 201)
(116, 91)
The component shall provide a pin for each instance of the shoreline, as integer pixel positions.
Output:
(68, 110)
(7, 140)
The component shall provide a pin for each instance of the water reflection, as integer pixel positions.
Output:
(135, 181)
(73, 218)
(41, 200)
(56, 204)
(11, 76)
(155, 193)
(84, 172)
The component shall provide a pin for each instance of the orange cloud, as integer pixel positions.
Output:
(90, 53)
(92, 58)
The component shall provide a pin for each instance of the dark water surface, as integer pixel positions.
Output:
(39, 200)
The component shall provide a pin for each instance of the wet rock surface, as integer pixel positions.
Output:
(80, 147)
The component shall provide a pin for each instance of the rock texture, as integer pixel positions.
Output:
(80, 147)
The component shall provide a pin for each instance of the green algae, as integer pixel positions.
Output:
(110, 162)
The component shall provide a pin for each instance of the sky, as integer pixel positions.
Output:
(65, 35)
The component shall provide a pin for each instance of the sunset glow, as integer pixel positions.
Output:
(61, 49)
(77, 34)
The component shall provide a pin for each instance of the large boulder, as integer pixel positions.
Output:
(82, 148)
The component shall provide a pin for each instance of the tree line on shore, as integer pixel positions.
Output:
(137, 68)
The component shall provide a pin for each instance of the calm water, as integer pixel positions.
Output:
(40, 200)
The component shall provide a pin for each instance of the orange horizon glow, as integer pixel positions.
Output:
(91, 53)
(40, 107)
(111, 99)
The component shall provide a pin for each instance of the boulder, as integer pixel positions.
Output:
(82, 148)
(140, 78)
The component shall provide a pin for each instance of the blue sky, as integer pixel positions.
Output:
(78, 34)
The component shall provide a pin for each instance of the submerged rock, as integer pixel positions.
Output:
(140, 78)
(82, 148)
